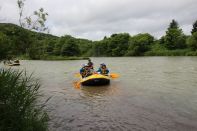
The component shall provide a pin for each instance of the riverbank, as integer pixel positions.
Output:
(164, 52)
(54, 58)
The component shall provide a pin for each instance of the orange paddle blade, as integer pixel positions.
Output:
(77, 84)
(77, 75)
(114, 75)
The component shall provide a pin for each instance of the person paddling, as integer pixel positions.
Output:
(90, 66)
(103, 69)
(85, 71)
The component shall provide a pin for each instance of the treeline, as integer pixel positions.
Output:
(173, 43)
(16, 41)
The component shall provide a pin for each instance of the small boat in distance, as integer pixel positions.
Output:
(12, 63)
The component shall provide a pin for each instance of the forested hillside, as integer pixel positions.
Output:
(19, 42)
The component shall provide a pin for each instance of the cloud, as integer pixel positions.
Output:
(94, 19)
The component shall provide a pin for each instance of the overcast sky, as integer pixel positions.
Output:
(94, 19)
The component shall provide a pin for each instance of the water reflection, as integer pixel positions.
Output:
(100, 91)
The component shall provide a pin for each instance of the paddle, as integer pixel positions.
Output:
(77, 75)
(77, 84)
(112, 75)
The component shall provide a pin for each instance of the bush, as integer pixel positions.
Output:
(191, 53)
(19, 110)
(178, 52)
(192, 41)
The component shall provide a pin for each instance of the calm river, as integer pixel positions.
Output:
(152, 94)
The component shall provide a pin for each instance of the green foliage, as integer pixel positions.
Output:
(192, 41)
(174, 39)
(51, 57)
(57, 49)
(19, 110)
(49, 46)
(178, 52)
(139, 44)
(174, 25)
(34, 45)
(194, 27)
(118, 44)
(4, 46)
(100, 48)
(24, 42)
(69, 46)
(85, 47)
(36, 21)
(35, 51)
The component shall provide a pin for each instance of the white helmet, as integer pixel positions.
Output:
(83, 65)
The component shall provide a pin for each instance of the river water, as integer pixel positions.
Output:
(152, 94)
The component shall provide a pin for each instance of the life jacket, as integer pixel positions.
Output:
(86, 72)
(104, 71)
(83, 72)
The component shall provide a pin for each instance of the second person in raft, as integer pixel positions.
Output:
(90, 64)
(103, 69)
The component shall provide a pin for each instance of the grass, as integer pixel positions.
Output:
(180, 52)
(52, 57)
(19, 109)
(63, 58)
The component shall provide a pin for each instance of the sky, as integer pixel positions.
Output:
(94, 19)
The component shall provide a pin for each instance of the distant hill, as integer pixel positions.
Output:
(17, 41)
(9, 29)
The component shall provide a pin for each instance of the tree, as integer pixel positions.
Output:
(100, 48)
(22, 40)
(118, 44)
(174, 24)
(85, 46)
(57, 49)
(35, 50)
(192, 41)
(49, 46)
(194, 27)
(175, 39)
(139, 44)
(4, 46)
(69, 46)
(35, 22)
(21, 4)
(70, 49)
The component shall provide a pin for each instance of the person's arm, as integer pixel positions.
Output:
(107, 71)
(99, 70)
(81, 71)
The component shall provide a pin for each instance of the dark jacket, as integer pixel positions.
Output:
(103, 71)
(90, 64)
(85, 72)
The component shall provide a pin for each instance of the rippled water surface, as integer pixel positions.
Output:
(152, 94)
